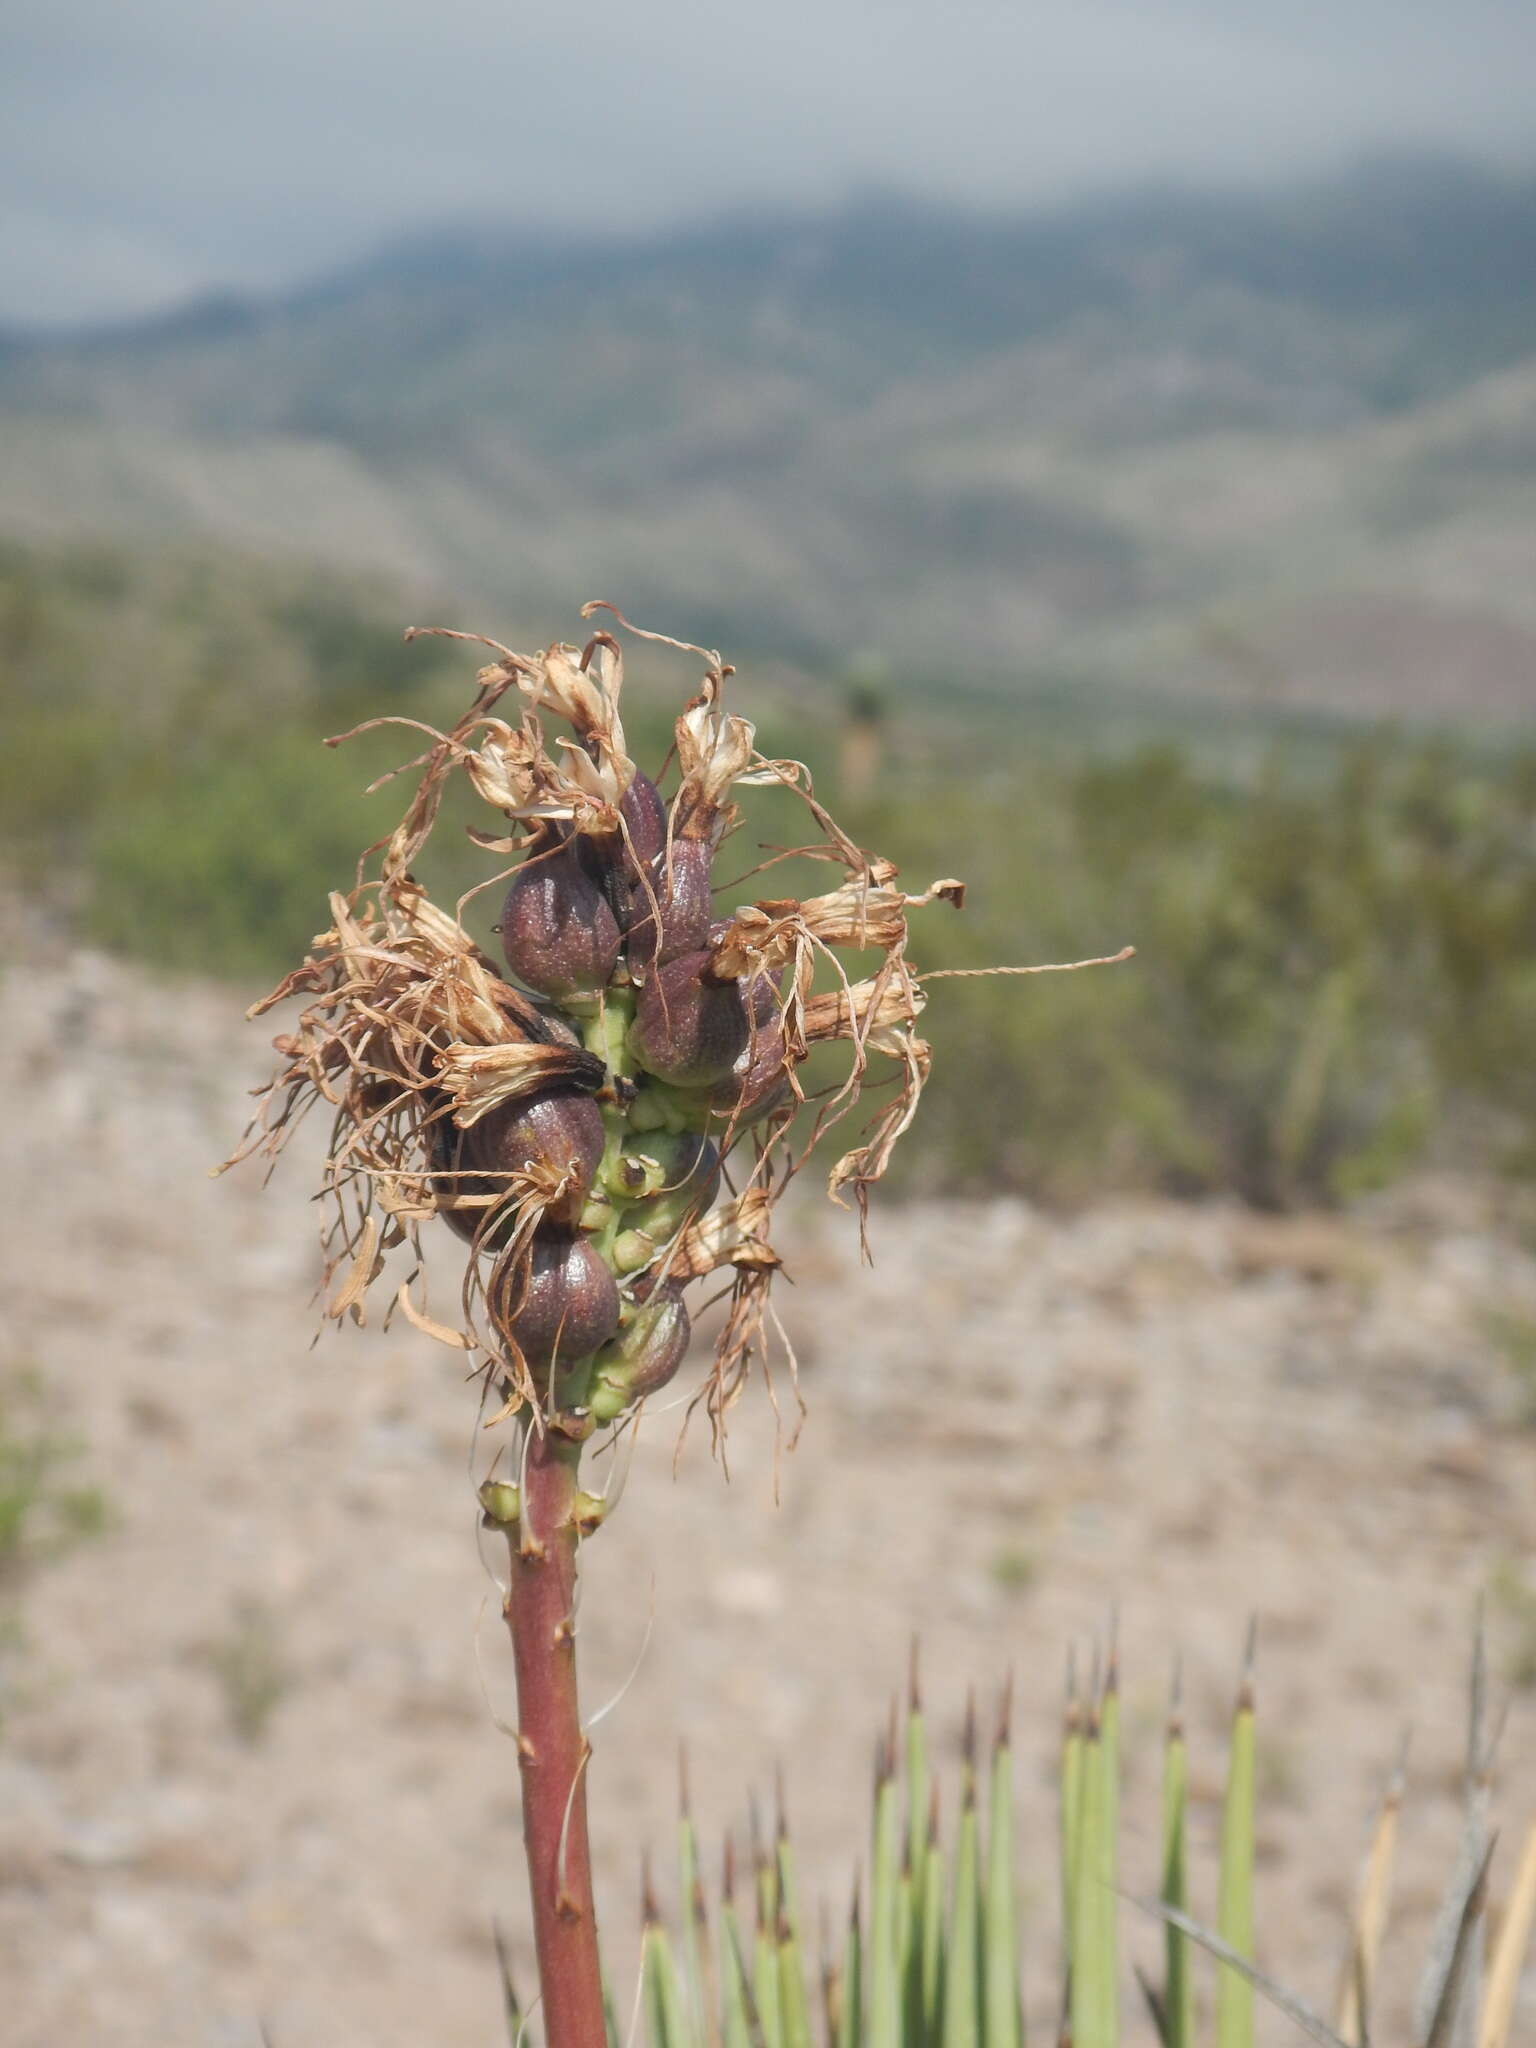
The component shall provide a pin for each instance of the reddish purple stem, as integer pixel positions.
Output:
(552, 1748)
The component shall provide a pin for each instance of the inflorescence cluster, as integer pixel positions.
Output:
(611, 1114)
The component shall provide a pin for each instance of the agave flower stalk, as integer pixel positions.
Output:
(543, 1525)
(604, 1116)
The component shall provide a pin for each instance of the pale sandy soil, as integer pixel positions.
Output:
(1015, 1423)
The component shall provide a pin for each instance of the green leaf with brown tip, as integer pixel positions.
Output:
(1234, 1911)
(666, 2014)
(1092, 1983)
(1071, 1818)
(882, 1989)
(1000, 1944)
(962, 1975)
(850, 2010)
(933, 1957)
(1177, 2003)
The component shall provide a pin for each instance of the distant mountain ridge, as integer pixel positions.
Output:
(1110, 439)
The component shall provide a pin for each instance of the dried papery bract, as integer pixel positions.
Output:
(575, 1115)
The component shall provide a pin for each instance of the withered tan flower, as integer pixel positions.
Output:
(407, 1030)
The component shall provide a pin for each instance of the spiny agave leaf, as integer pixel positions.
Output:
(690, 1891)
(915, 1940)
(1371, 1911)
(906, 1946)
(666, 2010)
(932, 1959)
(1174, 2011)
(765, 1952)
(740, 2027)
(1295, 2009)
(917, 1765)
(1109, 1836)
(849, 2015)
(1509, 1953)
(1071, 1810)
(882, 1989)
(1461, 1964)
(784, 1870)
(831, 1986)
(1094, 2003)
(1000, 1933)
(794, 2005)
(1234, 1910)
(962, 1984)
(667, 2019)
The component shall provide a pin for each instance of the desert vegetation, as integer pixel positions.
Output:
(573, 1124)
(1334, 983)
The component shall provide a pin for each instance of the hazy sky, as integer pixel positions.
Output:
(153, 148)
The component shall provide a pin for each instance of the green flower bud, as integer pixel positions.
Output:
(502, 1502)
(660, 1108)
(633, 1249)
(682, 1169)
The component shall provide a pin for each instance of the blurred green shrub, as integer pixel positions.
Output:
(1335, 970)
(43, 1512)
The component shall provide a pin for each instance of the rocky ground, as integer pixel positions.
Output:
(253, 1767)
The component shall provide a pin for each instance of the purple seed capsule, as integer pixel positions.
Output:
(679, 882)
(559, 1306)
(559, 1128)
(645, 817)
(651, 1346)
(558, 930)
(758, 1083)
(688, 1029)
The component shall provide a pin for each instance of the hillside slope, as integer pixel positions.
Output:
(1277, 447)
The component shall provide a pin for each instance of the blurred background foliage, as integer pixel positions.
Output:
(1334, 978)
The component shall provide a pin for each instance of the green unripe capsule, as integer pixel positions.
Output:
(635, 1174)
(660, 1179)
(644, 1356)
(609, 1400)
(588, 1512)
(502, 1502)
(633, 1249)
